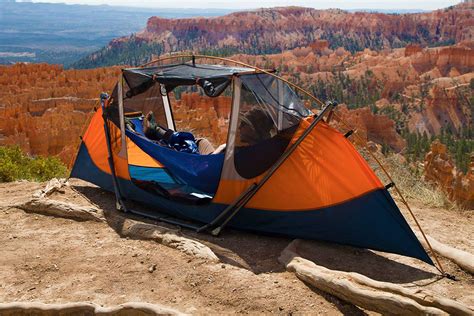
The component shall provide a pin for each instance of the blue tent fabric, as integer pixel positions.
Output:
(138, 124)
(199, 171)
(159, 175)
(371, 221)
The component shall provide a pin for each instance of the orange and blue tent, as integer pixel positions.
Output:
(284, 171)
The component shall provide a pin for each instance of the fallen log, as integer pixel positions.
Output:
(132, 308)
(463, 259)
(367, 293)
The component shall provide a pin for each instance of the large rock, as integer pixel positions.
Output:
(440, 169)
(86, 308)
(412, 49)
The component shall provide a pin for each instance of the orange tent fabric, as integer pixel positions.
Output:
(324, 170)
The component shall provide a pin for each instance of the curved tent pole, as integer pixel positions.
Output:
(193, 57)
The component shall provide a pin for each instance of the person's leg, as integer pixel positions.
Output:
(205, 146)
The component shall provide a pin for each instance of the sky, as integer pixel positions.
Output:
(250, 4)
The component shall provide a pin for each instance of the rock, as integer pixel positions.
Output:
(371, 127)
(290, 27)
(319, 46)
(412, 49)
(45, 107)
(54, 185)
(56, 208)
(203, 116)
(440, 170)
(80, 308)
(152, 268)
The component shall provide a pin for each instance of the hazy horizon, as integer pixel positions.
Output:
(249, 4)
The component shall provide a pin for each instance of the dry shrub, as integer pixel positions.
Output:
(409, 179)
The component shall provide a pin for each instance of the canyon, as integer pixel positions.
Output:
(424, 88)
(384, 92)
(403, 87)
(274, 30)
(430, 87)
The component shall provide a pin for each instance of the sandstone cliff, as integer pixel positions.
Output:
(44, 108)
(371, 127)
(274, 30)
(440, 170)
(429, 87)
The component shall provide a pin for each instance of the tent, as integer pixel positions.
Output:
(285, 170)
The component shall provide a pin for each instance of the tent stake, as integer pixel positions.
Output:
(235, 207)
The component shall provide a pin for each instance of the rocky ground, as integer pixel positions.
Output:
(51, 259)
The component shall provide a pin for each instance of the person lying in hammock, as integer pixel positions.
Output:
(180, 141)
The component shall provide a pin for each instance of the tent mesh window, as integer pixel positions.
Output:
(269, 115)
(136, 105)
(139, 105)
(204, 116)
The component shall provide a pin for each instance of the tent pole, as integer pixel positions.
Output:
(404, 201)
(119, 204)
(243, 199)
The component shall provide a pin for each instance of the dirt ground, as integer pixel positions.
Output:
(56, 260)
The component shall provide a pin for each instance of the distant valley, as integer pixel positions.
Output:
(62, 34)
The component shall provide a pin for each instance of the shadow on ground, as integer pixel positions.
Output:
(259, 253)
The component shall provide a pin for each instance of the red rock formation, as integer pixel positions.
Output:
(445, 101)
(377, 128)
(412, 49)
(44, 107)
(440, 170)
(279, 29)
(319, 46)
(203, 116)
